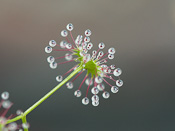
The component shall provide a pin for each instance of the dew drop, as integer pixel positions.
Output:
(94, 52)
(111, 56)
(86, 39)
(87, 32)
(5, 95)
(6, 104)
(95, 103)
(105, 94)
(2, 120)
(25, 125)
(52, 43)
(117, 72)
(101, 87)
(90, 45)
(101, 45)
(114, 89)
(53, 65)
(12, 126)
(111, 51)
(64, 33)
(94, 90)
(98, 79)
(59, 78)
(88, 81)
(85, 101)
(69, 85)
(101, 53)
(63, 44)
(50, 59)
(68, 56)
(112, 66)
(68, 46)
(77, 93)
(95, 98)
(70, 27)
(48, 49)
(119, 83)
(19, 112)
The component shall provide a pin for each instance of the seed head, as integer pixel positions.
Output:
(93, 63)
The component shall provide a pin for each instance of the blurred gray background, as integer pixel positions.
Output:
(143, 33)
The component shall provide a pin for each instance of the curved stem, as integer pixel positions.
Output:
(45, 97)
(24, 121)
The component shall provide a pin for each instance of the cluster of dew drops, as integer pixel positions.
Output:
(86, 45)
(5, 105)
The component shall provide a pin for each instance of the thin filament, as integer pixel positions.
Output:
(107, 82)
(72, 37)
(88, 87)
(82, 82)
(63, 56)
(77, 76)
(70, 70)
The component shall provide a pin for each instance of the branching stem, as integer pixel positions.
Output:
(23, 116)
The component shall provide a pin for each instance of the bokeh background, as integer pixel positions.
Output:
(143, 33)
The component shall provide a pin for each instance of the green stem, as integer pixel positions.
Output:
(24, 121)
(46, 96)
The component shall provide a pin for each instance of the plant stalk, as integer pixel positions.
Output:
(45, 97)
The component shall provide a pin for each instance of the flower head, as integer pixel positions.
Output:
(94, 63)
(5, 106)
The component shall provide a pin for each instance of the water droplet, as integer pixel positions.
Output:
(12, 126)
(70, 27)
(85, 101)
(105, 94)
(111, 51)
(95, 103)
(114, 89)
(52, 43)
(77, 93)
(119, 83)
(95, 98)
(48, 49)
(90, 45)
(94, 52)
(2, 120)
(94, 90)
(87, 32)
(111, 56)
(50, 59)
(98, 79)
(88, 81)
(5, 95)
(78, 39)
(101, 45)
(64, 33)
(19, 112)
(117, 72)
(6, 104)
(101, 87)
(68, 56)
(69, 46)
(86, 39)
(53, 65)
(69, 85)
(59, 78)
(112, 67)
(101, 53)
(25, 125)
(63, 44)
